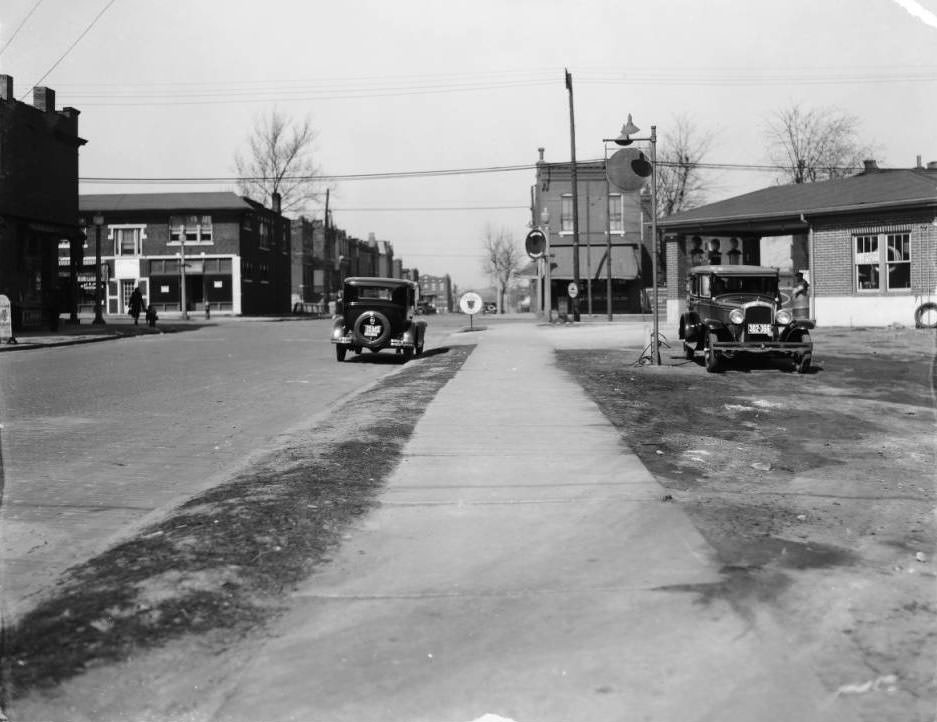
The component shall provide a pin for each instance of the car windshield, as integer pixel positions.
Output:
(764, 285)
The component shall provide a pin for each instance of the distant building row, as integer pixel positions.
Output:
(214, 249)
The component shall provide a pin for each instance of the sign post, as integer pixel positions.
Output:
(6, 320)
(470, 303)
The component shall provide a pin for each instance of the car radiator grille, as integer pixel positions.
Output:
(757, 315)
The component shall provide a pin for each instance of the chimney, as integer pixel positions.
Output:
(275, 202)
(870, 166)
(44, 99)
(540, 151)
(919, 166)
(6, 87)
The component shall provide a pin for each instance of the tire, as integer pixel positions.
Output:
(802, 363)
(340, 351)
(689, 351)
(926, 316)
(377, 341)
(711, 356)
(407, 354)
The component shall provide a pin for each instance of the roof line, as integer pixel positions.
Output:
(798, 213)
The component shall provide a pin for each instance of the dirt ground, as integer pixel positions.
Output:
(817, 491)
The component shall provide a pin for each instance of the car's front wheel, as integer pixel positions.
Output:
(340, 351)
(689, 350)
(711, 356)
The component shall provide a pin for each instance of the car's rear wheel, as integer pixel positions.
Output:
(340, 351)
(711, 356)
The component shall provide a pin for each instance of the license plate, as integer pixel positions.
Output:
(372, 331)
(762, 329)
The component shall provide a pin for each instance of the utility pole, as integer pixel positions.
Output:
(575, 183)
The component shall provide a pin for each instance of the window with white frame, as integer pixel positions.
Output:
(883, 261)
(566, 214)
(128, 240)
(197, 229)
(615, 222)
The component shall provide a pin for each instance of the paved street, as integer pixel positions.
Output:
(97, 438)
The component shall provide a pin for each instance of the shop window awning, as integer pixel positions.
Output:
(592, 262)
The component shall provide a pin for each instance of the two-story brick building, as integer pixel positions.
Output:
(38, 204)
(867, 243)
(230, 251)
(603, 213)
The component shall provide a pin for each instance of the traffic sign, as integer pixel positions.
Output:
(627, 169)
(536, 243)
(470, 303)
(572, 289)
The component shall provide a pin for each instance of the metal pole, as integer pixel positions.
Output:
(182, 302)
(98, 317)
(608, 238)
(575, 183)
(548, 290)
(655, 342)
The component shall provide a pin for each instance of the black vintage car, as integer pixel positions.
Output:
(377, 313)
(736, 310)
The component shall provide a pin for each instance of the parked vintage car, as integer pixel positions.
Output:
(736, 310)
(377, 313)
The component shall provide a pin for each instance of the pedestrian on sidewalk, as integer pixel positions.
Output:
(136, 305)
(151, 315)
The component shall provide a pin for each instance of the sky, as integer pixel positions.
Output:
(172, 88)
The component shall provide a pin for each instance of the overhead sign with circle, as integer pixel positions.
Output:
(470, 303)
(628, 169)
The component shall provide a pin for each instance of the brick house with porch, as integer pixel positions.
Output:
(866, 243)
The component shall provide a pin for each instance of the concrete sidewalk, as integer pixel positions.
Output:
(523, 565)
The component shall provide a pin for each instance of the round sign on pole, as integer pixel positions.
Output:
(628, 169)
(535, 243)
(470, 303)
(572, 289)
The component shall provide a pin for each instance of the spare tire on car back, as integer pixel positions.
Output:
(372, 329)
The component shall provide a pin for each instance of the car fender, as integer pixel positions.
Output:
(690, 327)
(716, 327)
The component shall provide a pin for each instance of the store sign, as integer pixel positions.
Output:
(6, 319)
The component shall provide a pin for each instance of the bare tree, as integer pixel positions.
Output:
(812, 144)
(503, 260)
(279, 159)
(680, 182)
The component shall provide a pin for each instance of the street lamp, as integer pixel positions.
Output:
(98, 221)
(638, 166)
(548, 281)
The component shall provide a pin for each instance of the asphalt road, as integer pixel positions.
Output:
(99, 438)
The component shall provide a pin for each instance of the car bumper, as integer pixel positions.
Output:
(349, 340)
(778, 347)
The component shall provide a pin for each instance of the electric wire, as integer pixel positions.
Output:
(72, 46)
(20, 26)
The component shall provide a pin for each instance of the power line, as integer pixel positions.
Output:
(72, 46)
(20, 26)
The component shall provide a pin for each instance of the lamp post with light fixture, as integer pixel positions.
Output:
(548, 281)
(628, 172)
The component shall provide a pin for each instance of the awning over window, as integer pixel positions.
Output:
(624, 262)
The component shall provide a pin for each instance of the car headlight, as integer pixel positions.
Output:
(783, 317)
(736, 316)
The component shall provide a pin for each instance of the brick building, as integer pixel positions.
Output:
(867, 243)
(236, 252)
(602, 212)
(38, 204)
(437, 291)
